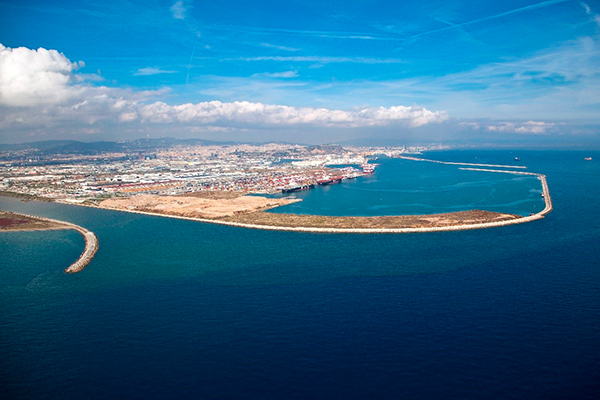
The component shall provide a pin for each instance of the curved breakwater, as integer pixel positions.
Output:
(541, 177)
(533, 217)
(461, 163)
(91, 247)
(91, 242)
(483, 225)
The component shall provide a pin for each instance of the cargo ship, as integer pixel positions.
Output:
(368, 168)
(298, 188)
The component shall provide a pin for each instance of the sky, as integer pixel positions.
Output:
(516, 72)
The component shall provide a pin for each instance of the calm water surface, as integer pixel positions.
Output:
(177, 309)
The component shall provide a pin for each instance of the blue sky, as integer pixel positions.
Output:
(304, 71)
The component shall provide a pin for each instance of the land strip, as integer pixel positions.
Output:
(20, 222)
(461, 218)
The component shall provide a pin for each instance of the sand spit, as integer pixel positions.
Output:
(11, 222)
(419, 229)
(41, 223)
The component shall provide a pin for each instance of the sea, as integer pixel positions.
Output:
(180, 309)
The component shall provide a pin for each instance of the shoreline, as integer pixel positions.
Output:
(306, 229)
(482, 225)
(540, 215)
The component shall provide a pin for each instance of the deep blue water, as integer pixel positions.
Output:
(177, 309)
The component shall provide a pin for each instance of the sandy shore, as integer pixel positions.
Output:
(196, 206)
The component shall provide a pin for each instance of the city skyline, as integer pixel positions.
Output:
(304, 72)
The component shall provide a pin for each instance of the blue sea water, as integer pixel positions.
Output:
(404, 187)
(178, 309)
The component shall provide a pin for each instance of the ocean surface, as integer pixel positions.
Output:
(179, 309)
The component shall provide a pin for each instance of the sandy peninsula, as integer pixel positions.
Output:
(19, 222)
(229, 208)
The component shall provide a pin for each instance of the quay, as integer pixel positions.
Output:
(91, 242)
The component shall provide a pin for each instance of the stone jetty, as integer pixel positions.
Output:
(91, 242)
(91, 247)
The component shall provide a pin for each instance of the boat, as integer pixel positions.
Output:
(588, 159)
(517, 159)
(368, 168)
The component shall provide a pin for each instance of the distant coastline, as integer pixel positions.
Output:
(256, 219)
(465, 220)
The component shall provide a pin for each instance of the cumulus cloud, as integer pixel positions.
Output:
(531, 127)
(32, 77)
(39, 92)
(258, 114)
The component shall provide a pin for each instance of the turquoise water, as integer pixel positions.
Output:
(403, 187)
(172, 308)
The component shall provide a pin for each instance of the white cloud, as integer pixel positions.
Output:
(285, 74)
(41, 83)
(31, 77)
(274, 46)
(532, 127)
(152, 71)
(178, 10)
(269, 115)
(587, 8)
(588, 11)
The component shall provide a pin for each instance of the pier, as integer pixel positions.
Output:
(91, 242)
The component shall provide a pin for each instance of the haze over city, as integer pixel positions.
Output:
(514, 72)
